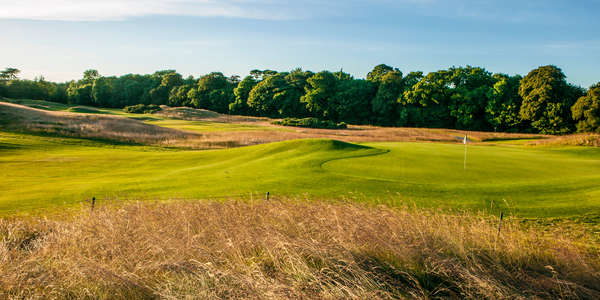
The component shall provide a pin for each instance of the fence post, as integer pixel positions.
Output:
(500, 223)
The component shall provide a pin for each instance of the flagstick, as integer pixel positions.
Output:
(465, 160)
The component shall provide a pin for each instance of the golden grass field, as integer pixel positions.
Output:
(289, 249)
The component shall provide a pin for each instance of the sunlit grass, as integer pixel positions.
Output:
(44, 171)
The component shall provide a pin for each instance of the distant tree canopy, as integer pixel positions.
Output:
(547, 99)
(469, 98)
(586, 110)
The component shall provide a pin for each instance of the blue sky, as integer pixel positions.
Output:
(61, 38)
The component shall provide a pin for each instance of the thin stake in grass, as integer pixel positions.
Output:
(500, 223)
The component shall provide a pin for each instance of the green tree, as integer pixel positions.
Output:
(352, 101)
(469, 97)
(214, 92)
(263, 98)
(426, 104)
(90, 75)
(378, 71)
(242, 92)
(10, 74)
(102, 92)
(587, 110)
(160, 94)
(547, 99)
(80, 93)
(385, 103)
(319, 91)
(179, 95)
(504, 103)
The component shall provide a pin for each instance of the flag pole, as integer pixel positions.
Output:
(465, 160)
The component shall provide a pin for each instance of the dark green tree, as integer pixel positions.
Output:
(378, 71)
(214, 92)
(179, 95)
(504, 103)
(102, 92)
(264, 97)
(319, 91)
(547, 99)
(241, 93)
(385, 103)
(427, 103)
(586, 110)
(352, 101)
(469, 87)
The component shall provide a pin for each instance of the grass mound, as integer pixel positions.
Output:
(28, 119)
(142, 109)
(287, 249)
(311, 123)
(85, 110)
(187, 113)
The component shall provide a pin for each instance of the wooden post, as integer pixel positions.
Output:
(267, 196)
(500, 223)
(93, 202)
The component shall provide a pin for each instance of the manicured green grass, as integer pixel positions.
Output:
(51, 172)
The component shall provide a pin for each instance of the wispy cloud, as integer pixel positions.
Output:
(106, 10)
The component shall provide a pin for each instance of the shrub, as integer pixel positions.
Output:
(311, 123)
(142, 109)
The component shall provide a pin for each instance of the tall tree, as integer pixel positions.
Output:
(214, 92)
(264, 97)
(378, 71)
(385, 104)
(319, 91)
(10, 74)
(587, 110)
(504, 102)
(469, 87)
(241, 92)
(102, 92)
(426, 104)
(352, 101)
(547, 99)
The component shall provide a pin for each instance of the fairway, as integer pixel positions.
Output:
(50, 172)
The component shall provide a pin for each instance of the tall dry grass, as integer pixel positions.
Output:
(287, 249)
(19, 117)
(581, 139)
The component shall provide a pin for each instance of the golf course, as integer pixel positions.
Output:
(498, 176)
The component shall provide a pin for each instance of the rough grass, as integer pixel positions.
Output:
(288, 249)
(584, 139)
(28, 119)
(209, 130)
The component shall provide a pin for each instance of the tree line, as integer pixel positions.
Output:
(468, 98)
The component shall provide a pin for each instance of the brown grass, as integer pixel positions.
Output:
(582, 139)
(130, 130)
(355, 133)
(287, 249)
(19, 117)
